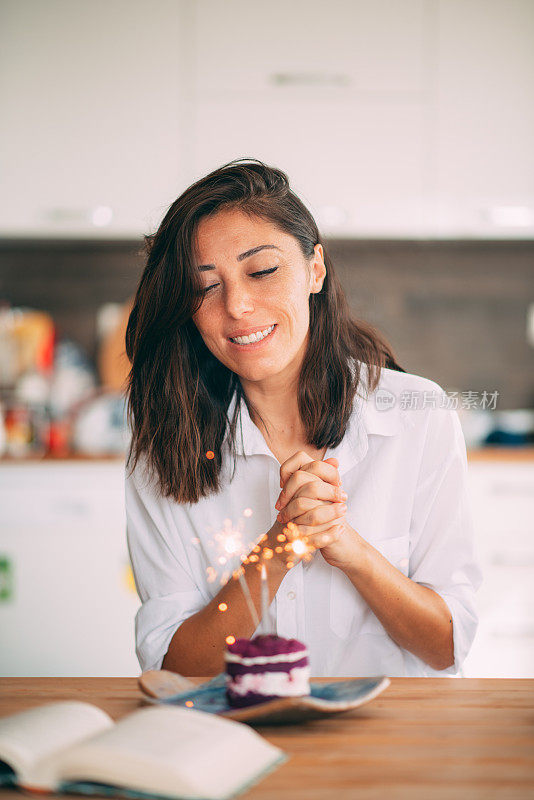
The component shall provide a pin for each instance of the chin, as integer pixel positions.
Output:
(256, 372)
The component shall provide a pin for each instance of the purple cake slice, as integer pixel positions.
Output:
(266, 668)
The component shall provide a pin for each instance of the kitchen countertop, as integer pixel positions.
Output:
(422, 739)
(503, 453)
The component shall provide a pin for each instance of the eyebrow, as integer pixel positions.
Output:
(242, 256)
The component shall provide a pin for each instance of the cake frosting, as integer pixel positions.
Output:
(266, 668)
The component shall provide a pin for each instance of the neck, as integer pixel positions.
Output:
(275, 409)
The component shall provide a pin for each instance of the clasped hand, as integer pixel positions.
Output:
(312, 497)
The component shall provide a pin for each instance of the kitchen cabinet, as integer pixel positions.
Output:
(392, 118)
(484, 123)
(93, 116)
(502, 499)
(68, 603)
(336, 97)
(371, 48)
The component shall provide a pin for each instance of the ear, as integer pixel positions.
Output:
(318, 270)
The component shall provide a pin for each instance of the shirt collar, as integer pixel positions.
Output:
(366, 419)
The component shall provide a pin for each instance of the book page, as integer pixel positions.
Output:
(32, 736)
(164, 750)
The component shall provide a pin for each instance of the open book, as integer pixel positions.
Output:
(164, 751)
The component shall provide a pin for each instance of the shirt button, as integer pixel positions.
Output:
(291, 595)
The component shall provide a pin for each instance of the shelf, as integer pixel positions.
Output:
(477, 454)
(501, 454)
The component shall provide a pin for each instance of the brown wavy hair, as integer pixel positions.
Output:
(178, 392)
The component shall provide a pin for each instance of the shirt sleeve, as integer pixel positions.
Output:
(442, 552)
(164, 578)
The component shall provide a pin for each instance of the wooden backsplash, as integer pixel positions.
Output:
(454, 311)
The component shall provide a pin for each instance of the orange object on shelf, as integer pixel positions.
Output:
(34, 334)
(59, 437)
(18, 431)
(113, 363)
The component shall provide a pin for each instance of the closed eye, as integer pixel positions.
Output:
(253, 275)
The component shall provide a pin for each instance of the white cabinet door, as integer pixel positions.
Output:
(370, 48)
(348, 168)
(335, 95)
(93, 117)
(71, 602)
(502, 498)
(485, 123)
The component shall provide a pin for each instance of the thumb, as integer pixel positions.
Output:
(333, 459)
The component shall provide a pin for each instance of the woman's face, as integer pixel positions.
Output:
(240, 300)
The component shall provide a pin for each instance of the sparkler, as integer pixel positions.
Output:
(248, 597)
(230, 544)
(264, 600)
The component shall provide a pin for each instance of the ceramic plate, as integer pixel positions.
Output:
(324, 700)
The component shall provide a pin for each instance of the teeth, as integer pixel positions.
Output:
(254, 337)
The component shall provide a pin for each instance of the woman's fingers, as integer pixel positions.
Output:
(307, 511)
(302, 462)
(326, 537)
(291, 464)
(306, 497)
(318, 471)
(319, 515)
(309, 531)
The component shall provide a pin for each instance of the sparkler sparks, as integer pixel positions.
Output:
(230, 543)
(232, 547)
(299, 547)
(212, 574)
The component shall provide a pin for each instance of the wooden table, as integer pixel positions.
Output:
(422, 738)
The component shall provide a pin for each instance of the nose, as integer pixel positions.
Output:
(238, 300)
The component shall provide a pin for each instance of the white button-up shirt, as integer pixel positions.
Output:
(404, 469)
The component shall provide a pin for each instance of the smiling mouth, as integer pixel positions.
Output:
(247, 341)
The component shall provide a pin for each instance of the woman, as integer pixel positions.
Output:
(377, 489)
